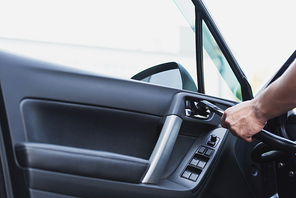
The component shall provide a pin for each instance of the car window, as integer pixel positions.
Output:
(118, 41)
(261, 34)
(114, 38)
(219, 78)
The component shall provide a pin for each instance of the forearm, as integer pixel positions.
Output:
(279, 97)
(248, 118)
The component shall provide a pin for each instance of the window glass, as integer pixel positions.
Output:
(219, 78)
(114, 38)
(261, 34)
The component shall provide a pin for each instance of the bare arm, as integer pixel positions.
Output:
(248, 118)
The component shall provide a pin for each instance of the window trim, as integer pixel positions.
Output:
(201, 13)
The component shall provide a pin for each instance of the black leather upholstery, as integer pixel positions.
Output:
(83, 162)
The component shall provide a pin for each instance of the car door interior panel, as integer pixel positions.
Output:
(83, 162)
(90, 127)
(74, 134)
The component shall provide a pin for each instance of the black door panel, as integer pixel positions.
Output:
(24, 78)
(90, 127)
(74, 134)
(82, 162)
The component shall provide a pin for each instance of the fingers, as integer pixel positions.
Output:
(241, 135)
(239, 132)
(223, 122)
(249, 139)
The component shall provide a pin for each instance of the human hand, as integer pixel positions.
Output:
(243, 120)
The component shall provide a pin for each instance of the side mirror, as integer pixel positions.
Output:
(170, 74)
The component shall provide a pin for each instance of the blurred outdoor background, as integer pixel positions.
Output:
(120, 38)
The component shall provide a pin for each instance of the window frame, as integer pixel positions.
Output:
(201, 14)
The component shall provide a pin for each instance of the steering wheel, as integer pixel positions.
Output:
(276, 141)
(270, 142)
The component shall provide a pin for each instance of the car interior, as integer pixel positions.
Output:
(74, 134)
(71, 133)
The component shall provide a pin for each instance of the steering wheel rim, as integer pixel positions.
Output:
(273, 146)
(277, 142)
(263, 153)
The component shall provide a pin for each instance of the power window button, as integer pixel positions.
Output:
(186, 174)
(201, 150)
(209, 152)
(201, 164)
(194, 162)
(193, 176)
